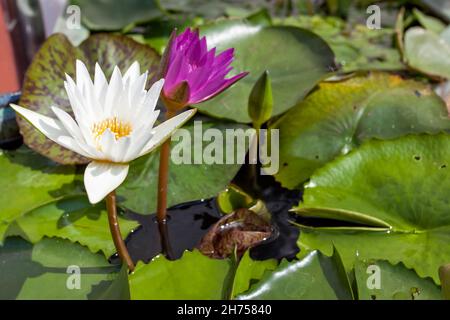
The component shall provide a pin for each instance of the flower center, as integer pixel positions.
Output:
(118, 127)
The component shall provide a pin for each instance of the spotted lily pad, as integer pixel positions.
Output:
(44, 81)
(399, 191)
(339, 116)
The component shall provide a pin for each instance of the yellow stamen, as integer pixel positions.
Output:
(117, 127)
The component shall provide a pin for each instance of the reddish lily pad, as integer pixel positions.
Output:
(241, 229)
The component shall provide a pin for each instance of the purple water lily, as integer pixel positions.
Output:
(194, 74)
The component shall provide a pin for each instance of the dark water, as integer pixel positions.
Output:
(189, 222)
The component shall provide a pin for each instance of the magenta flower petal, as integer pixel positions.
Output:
(203, 71)
(215, 88)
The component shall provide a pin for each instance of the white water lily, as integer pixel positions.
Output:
(113, 124)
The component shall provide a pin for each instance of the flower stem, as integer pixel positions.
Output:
(163, 179)
(115, 230)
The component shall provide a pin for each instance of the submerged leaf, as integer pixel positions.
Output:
(241, 229)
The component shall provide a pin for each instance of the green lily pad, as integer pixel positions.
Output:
(72, 218)
(356, 48)
(30, 181)
(194, 276)
(395, 282)
(249, 271)
(187, 182)
(39, 198)
(301, 59)
(400, 189)
(427, 52)
(44, 81)
(46, 270)
(339, 116)
(117, 14)
(314, 277)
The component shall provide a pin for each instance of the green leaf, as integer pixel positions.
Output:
(117, 14)
(300, 61)
(233, 198)
(28, 182)
(114, 289)
(260, 102)
(396, 282)
(194, 276)
(428, 53)
(44, 81)
(249, 271)
(339, 116)
(356, 48)
(402, 184)
(41, 271)
(72, 218)
(428, 22)
(314, 277)
(187, 182)
(40, 198)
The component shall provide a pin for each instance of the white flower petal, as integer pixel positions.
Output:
(51, 128)
(165, 130)
(153, 95)
(101, 178)
(68, 123)
(115, 89)
(132, 73)
(83, 77)
(113, 149)
(100, 82)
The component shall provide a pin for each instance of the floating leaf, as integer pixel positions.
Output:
(194, 276)
(395, 282)
(30, 181)
(117, 14)
(401, 188)
(187, 182)
(339, 116)
(48, 270)
(249, 271)
(427, 52)
(356, 48)
(44, 81)
(314, 277)
(40, 198)
(72, 218)
(300, 61)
